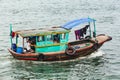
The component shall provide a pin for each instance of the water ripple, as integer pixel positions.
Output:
(27, 14)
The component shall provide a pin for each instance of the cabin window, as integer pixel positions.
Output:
(63, 36)
(56, 38)
(41, 38)
(49, 37)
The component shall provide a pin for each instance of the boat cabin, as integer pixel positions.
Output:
(44, 39)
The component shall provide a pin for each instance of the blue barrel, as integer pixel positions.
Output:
(14, 47)
(19, 50)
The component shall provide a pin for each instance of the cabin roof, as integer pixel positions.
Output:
(74, 23)
(41, 31)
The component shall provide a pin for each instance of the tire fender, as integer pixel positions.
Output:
(70, 51)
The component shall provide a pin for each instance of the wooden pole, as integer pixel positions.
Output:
(94, 29)
(90, 30)
(16, 39)
(23, 43)
(11, 34)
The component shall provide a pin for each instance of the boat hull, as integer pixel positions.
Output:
(62, 55)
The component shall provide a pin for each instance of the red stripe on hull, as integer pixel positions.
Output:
(33, 59)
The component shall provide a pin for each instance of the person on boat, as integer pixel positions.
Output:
(56, 38)
(33, 43)
(28, 46)
(32, 39)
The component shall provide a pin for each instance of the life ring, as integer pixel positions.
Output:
(41, 57)
(70, 51)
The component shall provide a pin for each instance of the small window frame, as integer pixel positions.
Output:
(41, 38)
(63, 36)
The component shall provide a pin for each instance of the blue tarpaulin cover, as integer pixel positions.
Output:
(74, 23)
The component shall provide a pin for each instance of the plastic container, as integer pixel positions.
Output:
(19, 50)
(14, 47)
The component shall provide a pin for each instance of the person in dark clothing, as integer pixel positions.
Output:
(56, 38)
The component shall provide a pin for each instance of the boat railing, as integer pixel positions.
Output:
(81, 42)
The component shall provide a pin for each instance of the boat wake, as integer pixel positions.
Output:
(96, 54)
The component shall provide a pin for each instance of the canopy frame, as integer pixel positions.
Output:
(74, 23)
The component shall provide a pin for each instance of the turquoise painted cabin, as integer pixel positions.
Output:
(52, 42)
(47, 39)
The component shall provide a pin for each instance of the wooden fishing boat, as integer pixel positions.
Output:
(52, 44)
